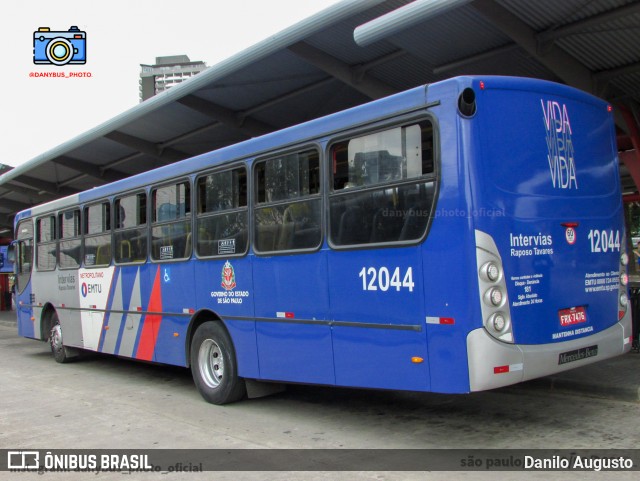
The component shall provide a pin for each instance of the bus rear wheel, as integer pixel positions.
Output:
(213, 365)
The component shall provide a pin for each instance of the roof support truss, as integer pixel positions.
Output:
(28, 182)
(352, 76)
(91, 170)
(247, 125)
(166, 155)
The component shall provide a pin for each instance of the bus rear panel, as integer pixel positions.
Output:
(551, 259)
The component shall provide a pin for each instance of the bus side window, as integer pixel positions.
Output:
(97, 235)
(222, 217)
(383, 186)
(171, 222)
(70, 247)
(130, 235)
(24, 254)
(46, 243)
(288, 204)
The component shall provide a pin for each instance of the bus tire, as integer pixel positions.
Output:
(213, 365)
(61, 353)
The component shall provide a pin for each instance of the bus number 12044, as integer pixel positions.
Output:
(603, 241)
(381, 279)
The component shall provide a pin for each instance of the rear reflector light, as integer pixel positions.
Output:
(440, 320)
(508, 368)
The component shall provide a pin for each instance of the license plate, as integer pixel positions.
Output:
(574, 315)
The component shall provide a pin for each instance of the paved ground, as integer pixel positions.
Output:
(617, 378)
(103, 402)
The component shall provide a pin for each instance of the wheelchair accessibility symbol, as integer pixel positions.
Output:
(167, 276)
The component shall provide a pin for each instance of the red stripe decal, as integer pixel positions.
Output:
(151, 323)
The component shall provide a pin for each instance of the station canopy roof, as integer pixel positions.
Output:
(348, 54)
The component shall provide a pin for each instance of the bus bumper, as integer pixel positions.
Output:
(494, 364)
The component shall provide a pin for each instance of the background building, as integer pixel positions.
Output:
(165, 73)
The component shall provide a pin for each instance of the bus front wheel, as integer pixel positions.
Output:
(61, 353)
(213, 365)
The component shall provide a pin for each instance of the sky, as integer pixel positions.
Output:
(38, 113)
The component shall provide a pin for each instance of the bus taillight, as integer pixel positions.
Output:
(493, 289)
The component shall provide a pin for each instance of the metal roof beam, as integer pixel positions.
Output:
(185, 136)
(13, 205)
(123, 160)
(360, 70)
(247, 125)
(440, 69)
(42, 186)
(242, 117)
(244, 114)
(6, 222)
(91, 170)
(289, 95)
(561, 63)
(554, 33)
(167, 155)
(369, 86)
(606, 75)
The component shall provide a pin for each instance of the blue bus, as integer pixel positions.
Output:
(460, 236)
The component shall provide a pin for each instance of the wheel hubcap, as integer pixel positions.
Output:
(211, 363)
(56, 338)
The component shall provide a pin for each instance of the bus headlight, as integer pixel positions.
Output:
(494, 297)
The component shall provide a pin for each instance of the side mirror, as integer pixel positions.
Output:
(11, 252)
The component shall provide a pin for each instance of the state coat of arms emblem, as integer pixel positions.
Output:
(228, 277)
